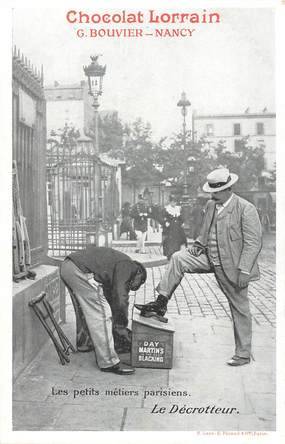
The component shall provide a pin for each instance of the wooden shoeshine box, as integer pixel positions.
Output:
(152, 342)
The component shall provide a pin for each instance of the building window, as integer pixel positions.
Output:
(237, 129)
(260, 128)
(238, 145)
(210, 129)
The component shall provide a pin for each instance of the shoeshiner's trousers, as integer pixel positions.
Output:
(96, 310)
(183, 262)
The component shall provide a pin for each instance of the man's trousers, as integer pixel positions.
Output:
(183, 262)
(96, 310)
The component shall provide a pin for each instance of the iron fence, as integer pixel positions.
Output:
(82, 197)
(29, 144)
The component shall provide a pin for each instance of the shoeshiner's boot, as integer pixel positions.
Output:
(155, 309)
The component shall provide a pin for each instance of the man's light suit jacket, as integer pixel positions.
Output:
(239, 237)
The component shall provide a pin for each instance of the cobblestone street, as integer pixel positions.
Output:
(199, 295)
(203, 341)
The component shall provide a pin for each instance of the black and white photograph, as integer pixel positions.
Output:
(143, 201)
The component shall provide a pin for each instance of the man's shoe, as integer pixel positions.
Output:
(154, 315)
(119, 369)
(155, 309)
(151, 307)
(236, 361)
(159, 306)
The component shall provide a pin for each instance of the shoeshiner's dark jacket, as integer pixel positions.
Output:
(114, 270)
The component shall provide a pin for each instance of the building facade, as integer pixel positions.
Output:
(89, 186)
(68, 105)
(231, 128)
(29, 209)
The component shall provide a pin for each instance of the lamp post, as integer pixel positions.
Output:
(95, 73)
(186, 207)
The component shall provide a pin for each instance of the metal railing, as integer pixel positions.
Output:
(82, 196)
(29, 145)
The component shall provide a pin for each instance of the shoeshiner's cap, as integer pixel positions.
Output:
(219, 180)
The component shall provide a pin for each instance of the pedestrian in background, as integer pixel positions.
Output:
(154, 214)
(140, 214)
(127, 223)
(173, 235)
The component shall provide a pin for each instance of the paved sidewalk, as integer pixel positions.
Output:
(77, 396)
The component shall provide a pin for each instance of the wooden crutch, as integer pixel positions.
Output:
(63, 345)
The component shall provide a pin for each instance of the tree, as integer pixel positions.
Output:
(247, 162)
(173, 160)
(63, 138)
(111, 131)
(131, 143)
(139, 155)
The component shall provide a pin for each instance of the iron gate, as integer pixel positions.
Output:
(82, 196)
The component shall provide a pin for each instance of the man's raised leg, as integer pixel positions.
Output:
(181, 262)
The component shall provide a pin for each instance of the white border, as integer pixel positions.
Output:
(7, 436)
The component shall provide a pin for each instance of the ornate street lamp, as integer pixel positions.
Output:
(95, 73)
(183, 104)
(186, 208)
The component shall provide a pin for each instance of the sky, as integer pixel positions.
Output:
(223, 68)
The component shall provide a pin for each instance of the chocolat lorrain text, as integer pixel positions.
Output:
(150, 17)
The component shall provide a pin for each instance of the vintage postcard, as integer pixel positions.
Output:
(143, 144)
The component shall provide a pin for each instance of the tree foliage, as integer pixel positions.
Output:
(146, 161)
(111, 132)
(63, 138)
(184, 156)
(247, 162)
(138, 152)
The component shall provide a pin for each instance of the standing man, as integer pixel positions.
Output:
(229, 242)
(140, 215)
(105, 311)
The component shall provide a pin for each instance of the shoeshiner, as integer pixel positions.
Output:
(228, 245)
(108, 309)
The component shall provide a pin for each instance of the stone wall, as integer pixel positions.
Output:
(29, 335)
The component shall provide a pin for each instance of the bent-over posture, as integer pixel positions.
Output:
(108, 309)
